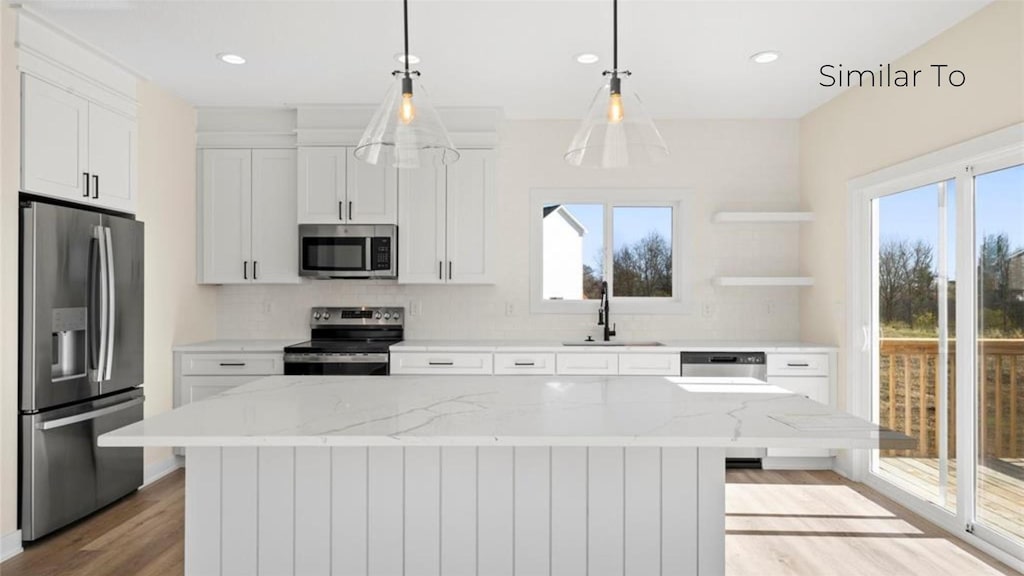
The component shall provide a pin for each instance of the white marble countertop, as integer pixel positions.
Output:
(558, 346)
(501, 410)
(237, 345)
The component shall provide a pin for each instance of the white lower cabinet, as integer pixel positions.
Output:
(814, 387)
(537, 363)
(587, 364)
(442, 363)
(663, 364)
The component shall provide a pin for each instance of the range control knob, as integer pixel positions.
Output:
(327, 316)
(376, 315)
(396, 316)
(387, 315)
(316, 315)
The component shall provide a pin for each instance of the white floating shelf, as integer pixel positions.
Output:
(763, 217)
(763, 281)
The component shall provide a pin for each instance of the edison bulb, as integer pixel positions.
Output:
(615, 112)
(407, 111)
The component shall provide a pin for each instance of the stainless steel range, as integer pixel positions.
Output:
(347, 341)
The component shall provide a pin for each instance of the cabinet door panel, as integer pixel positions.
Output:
(275, 248)
(421, 226)
(112, 158)
(470, 218)
(54, 141)
(227, 208)
(321, 185)
(371, 192)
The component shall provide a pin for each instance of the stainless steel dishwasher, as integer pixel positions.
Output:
(738, 367)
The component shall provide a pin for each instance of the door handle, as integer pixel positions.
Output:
(449, 269)
(441, 363)
(101, 241)
(234, 364)
(349, 209)
(111, 304)
(91, 415)
(245, 269)
(341, 210)
(85, 176)
(255, 270)
(797, 364)
(440, 270)
(524, 364)
(95, 185)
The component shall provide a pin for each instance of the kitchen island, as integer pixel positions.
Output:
(474, 475)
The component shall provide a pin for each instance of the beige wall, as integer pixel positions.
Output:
(866, 129)
(176, 309)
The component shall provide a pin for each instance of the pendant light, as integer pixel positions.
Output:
(405, 131)
(616, 132)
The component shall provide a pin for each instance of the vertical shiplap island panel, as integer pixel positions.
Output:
(458, 511)
(239, 527)
(348, 510)
(569, 511)
(454, 511)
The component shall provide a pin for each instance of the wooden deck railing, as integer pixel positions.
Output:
(909, 398)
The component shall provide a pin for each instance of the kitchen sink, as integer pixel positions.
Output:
(614, 343)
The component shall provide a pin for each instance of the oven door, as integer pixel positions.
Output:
(334, 256)
(336, 364)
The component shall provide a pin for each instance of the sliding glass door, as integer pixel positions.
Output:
(937, 303)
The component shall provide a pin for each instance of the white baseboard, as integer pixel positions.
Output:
(158, 470)
(10, 545)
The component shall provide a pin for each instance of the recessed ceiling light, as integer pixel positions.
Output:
(230, 58)
(765, 57)
(413, 59)
(587, 58)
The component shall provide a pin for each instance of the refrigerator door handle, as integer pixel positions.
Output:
(104, 316)
(91, 415)
(111, 305)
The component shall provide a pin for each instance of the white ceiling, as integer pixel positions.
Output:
(689, 59)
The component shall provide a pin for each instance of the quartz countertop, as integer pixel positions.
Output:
(237, 345)
(558, 346)
(503, 411)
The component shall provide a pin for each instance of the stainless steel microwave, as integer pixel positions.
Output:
(348, 251)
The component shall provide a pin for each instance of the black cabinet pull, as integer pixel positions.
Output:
(349, 209)
(95, 185)
(85, 175)
(341, 210)
(440, 363)
(245, 269)
(524, 364)
(232, 363)
(449, 269)
(440, 270)
(255, 270)
(797, 364)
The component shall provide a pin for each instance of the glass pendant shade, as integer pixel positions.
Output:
(406, 131)
(616, 133)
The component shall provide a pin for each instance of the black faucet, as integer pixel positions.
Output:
(603, 318)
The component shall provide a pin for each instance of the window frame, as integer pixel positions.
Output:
(610, 198)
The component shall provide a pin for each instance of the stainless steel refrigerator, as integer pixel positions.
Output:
(81, 361)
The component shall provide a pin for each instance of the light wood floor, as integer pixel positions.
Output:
(777, 523)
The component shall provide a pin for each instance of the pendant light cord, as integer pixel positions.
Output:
(405, 14)
(615, 36)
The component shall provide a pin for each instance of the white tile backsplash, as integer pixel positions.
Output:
(749, 165)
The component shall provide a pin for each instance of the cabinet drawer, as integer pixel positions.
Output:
(232, 364)
(588, 364)
(195, 388)
(815, 388)
(649, 364)
(528, 363)
(798, 364)
(442, 363)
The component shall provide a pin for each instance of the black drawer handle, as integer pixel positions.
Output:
(95, 186)
(524, 364)
(86, 176)
(440, 363)
(232, 363)
(797, 364)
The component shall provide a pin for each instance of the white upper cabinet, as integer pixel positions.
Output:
(76, 150)
(470, 217)
(113, 145)
(421, 235)
(334, 187)
(55, 141)
(275, 235)
(446, 222)
(227, 224)
(249, 234)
